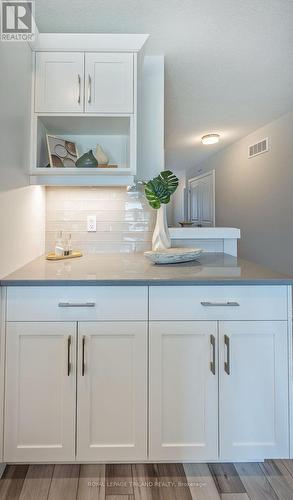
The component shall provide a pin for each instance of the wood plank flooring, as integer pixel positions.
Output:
(271, 480)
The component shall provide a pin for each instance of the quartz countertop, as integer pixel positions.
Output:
(135, 269)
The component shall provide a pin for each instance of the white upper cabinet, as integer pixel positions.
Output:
(59, 84)
(105, 85)
(109, 82)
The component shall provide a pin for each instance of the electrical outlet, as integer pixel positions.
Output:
(91, 223)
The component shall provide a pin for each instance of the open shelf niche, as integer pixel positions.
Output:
(114, 134)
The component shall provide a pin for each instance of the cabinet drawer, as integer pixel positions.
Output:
(218, 303)
(77, 303)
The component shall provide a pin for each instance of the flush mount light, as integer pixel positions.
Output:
(210, 138)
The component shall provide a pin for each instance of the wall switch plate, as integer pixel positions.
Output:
(91, 223)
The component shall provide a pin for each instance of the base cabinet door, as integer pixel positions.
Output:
(254, 421)
(183, 390)
(112, 391)
(40, 392)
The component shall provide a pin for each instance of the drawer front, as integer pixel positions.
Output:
(77, 303)
(218, 303)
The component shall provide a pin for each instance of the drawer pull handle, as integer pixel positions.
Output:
(82, 356)
(213, 362)
(68, 355)
(79, 82)
(220, 304)
(227, 363)
(76, 304)
(89, 100)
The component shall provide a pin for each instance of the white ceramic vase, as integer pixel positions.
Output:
(101, 156)
(161, 237)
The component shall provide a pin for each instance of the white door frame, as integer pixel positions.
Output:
(211, 172)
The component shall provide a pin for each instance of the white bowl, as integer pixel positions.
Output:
(173, 255)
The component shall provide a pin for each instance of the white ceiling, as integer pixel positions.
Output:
(229, 63)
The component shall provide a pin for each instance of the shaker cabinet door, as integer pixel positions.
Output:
(183, 390)
(40, 392)
(109, 82)
(112, 391)
(253, 390)
(59, 82)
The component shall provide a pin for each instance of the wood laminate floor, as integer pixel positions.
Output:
(271, 480)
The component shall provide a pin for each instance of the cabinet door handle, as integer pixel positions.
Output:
(220, 304)
(82, 355)
(68, 355)
(76, 304)
(89, 98)
(213, 362)
(227, 362)
(79, 83)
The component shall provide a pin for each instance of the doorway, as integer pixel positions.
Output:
(201, 200)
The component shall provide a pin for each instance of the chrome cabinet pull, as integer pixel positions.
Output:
(82, 356)
(79, 82)
(227, 363)
(220, 304)
(68, 355)
(213, 362)
(76, 304)
(89, 99)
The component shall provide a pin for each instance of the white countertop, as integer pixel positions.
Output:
(204, 233)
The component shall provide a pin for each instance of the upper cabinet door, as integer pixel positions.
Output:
(59, 82)
(253, 390)
(109, 82)
(40, 392)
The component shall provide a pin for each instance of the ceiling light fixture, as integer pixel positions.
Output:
(210, 138)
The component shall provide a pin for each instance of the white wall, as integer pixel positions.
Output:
(256, 195)
(151, 155)
(21, 206)
(176, 208)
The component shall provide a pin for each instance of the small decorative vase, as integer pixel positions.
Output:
(101, 156)
(161, 237)
(87, 160)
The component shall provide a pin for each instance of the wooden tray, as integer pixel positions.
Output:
(53, 256)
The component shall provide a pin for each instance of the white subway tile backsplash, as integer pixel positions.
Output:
(124, 220)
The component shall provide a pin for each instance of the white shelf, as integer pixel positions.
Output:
(82, 180)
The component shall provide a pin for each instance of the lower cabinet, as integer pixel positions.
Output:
(42, 400)
(79, 391)
(112, 391)
(183, 390)
(238, 405)
(254, 406)
(40, 395)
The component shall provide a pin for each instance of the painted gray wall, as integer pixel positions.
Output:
(228, 62)
(15, 87)
(22, 214)
(256, 195)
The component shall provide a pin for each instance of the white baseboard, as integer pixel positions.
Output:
(2, 469)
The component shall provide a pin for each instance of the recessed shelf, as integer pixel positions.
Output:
(113, 133)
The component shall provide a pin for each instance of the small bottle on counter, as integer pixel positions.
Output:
(68, 245)
(59, 249)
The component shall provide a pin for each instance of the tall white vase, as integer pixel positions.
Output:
(161, 237)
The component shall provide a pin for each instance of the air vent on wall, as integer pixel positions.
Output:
(258, 148)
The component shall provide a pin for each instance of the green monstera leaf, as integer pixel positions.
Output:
(160, 189)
